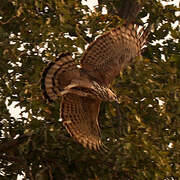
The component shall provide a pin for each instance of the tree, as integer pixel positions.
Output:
(142, 133)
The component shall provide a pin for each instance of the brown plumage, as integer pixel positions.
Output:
(83, 89)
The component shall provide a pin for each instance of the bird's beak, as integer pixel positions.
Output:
(117, 100)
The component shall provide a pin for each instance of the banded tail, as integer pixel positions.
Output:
(57, 75)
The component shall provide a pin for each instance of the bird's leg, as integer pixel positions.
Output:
(71, 86)
(79, 83)
(74, 91)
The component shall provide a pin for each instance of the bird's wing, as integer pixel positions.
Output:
(108, 54)
(57, 75)
(80, 117)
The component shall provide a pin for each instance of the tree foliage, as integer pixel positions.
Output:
(142, 133)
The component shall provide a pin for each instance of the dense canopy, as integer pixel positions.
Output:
(142, 133)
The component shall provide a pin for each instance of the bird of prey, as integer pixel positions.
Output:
(84, 88)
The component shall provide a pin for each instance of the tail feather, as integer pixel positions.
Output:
(57, 75)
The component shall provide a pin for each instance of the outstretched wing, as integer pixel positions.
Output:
(80, 117)
(57, 75)
(108, 54)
